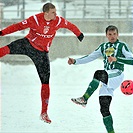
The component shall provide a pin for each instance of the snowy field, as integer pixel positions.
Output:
(20, 95)
(21, 103)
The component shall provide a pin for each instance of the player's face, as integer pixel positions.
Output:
(112, 36)
(51, 15)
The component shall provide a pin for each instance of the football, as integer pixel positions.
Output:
(127, 87)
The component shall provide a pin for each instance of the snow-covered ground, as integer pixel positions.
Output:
(21, 104)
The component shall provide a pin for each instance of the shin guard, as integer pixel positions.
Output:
(108, 122)
(45, 92)
(91, 88)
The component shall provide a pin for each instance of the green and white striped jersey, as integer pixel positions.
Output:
(118, 49)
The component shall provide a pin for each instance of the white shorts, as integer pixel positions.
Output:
(114, 81)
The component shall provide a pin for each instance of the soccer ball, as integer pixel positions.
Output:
(127, 87)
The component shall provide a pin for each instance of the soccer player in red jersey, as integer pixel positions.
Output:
(36, 43)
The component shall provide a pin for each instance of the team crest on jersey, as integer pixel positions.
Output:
(46, 29)
(109, 51)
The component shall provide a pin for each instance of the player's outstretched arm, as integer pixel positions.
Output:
(71, 61)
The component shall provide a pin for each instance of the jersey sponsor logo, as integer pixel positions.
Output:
(46, 29)
(45, 36)
(109, 51)
(24, 22)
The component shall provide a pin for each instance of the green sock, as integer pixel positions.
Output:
(91, 88)
(108, 122)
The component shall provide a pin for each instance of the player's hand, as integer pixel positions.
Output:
(71, 61)
(80, 37)
(0, 32)
(111, 59)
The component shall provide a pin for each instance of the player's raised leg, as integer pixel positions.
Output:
(100, 77)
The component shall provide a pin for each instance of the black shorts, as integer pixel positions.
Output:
(39, 58)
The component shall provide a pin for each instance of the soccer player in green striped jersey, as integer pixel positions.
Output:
(115, 54)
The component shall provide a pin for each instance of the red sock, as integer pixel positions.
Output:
(4, 50)
(45, 92)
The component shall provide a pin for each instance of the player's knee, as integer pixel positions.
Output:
(45, 79)
(104, 105)
(101, 75)
(105, 112)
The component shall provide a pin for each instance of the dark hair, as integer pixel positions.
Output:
(47, 7)
(111, 27)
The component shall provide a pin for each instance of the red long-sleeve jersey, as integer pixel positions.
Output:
(41, 32)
